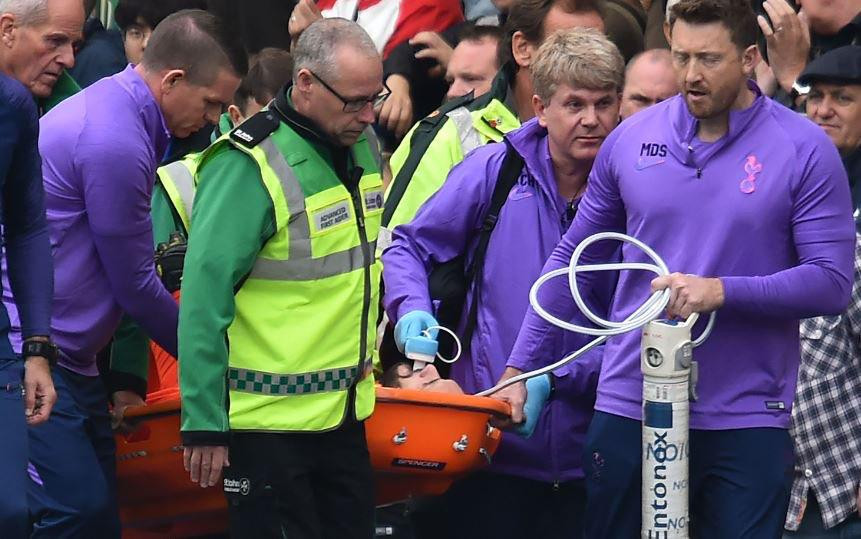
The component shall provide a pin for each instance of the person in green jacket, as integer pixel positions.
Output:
(436, 144)
(279, 298)
(172, 199)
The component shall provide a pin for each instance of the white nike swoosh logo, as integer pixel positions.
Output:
(645, 162)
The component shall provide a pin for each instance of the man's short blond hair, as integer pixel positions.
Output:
(581, 58)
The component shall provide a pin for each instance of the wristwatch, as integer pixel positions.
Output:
(45, 349)
(798, 90)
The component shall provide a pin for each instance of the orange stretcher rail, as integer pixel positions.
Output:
(419, 441)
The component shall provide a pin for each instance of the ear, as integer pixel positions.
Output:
(235, 114)
(304, 80)
(521, 49)
(539, 107)
(7, 29)
(668, 32)
(749, 60)
(171, 79)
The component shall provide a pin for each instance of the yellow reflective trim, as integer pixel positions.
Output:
(177, 178)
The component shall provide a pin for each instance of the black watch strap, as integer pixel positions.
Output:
(45, 349)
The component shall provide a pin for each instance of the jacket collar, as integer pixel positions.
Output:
(692, 151)
(532, 144)
(282, 105)
(501, 89)
(151, 115)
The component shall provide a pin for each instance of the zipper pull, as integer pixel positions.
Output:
(699, 173)
(570, 212)
(556, 486)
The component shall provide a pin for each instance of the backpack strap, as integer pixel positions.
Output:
(509, 172)
(420, 140)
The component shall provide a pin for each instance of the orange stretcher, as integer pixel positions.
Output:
(419, 441)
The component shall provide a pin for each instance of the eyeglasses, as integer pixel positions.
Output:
(355, 105)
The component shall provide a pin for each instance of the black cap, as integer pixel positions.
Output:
(840, 65)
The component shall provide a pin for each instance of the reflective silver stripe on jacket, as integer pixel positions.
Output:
(183, 180)
(300, 266)
(374, 145)
(469, 137)
(308, 269)
(270, 383)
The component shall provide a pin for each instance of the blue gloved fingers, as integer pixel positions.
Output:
(537, 392)
(412, 325)
(433, 333)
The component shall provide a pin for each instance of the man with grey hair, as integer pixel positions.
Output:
(649, 79)
(281, 262)
(37, 39)
(99, 150)
(540, 171)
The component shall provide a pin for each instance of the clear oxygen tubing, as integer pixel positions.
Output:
(651, 309)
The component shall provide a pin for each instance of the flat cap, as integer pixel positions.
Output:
(842, 64)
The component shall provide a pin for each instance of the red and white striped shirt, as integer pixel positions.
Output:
(391, 22)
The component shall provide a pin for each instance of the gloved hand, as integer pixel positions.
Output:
(412, 325)
(537, 393)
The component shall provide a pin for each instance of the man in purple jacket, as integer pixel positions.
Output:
(100, 150)
(578, 80)
(750, 203)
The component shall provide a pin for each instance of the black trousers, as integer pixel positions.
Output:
(488, 505)
(308, 485)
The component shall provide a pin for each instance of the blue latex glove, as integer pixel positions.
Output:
(537, 392)
(412, 325)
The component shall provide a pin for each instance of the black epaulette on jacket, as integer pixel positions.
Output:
(255, 129)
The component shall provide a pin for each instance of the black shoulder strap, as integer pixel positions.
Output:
(512, 165)
(420, 140)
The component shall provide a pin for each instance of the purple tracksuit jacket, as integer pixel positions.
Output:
(766, 209)
(530, 224)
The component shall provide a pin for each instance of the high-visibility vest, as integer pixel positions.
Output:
(303, 335)
(177, 178)
(439, 142)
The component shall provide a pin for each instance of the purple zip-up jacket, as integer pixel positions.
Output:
(766, 209)
(530, 224)
(100, 149)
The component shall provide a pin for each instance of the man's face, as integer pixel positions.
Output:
(471, 68)
(578, 120)
(188, 107)
(709, 68)
(135, 40)
(427, 379)
(359, 79)
(648, 82)
(836, 108)
(38, 53)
